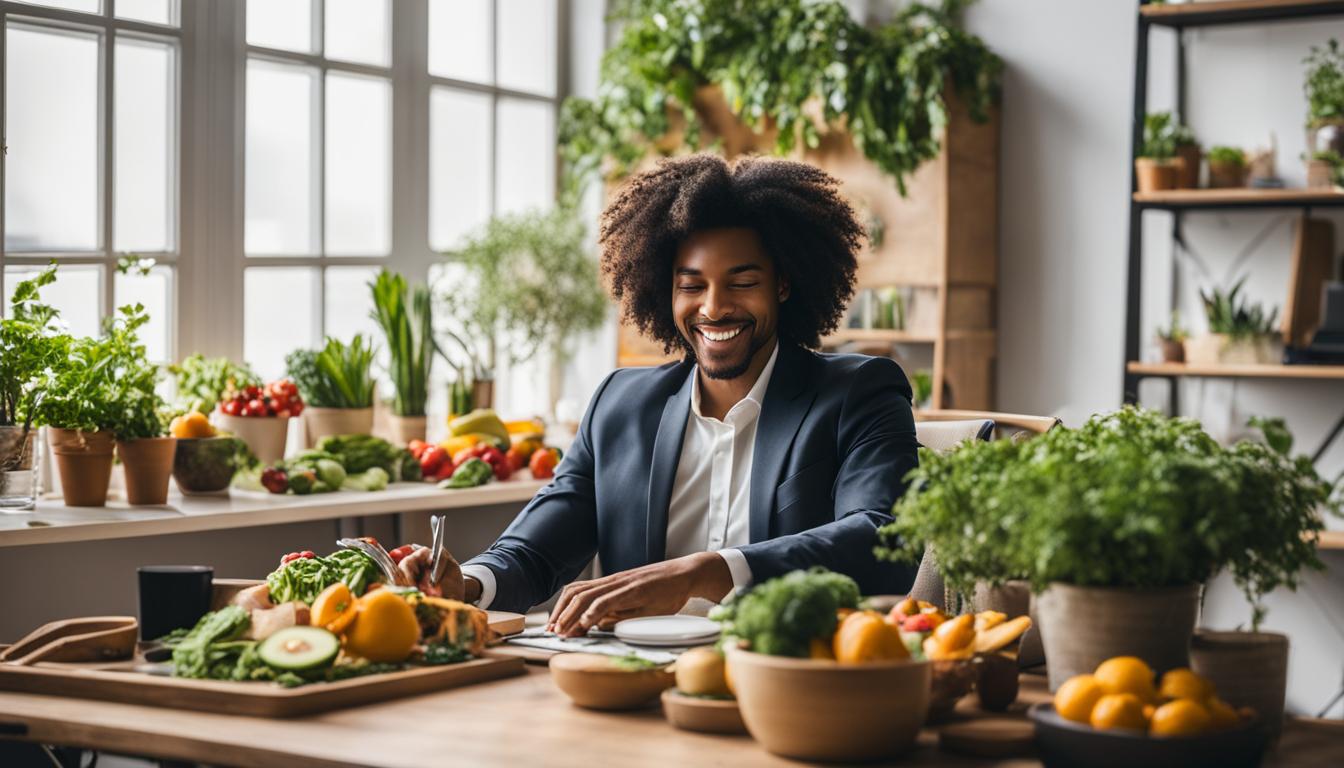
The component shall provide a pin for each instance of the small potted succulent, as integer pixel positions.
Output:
(1116, 525)
(1157, 166)
(1227, 167)
(1172, 339)
(1240, 332)
(1324, 88)
(405, 315)
(336, 383)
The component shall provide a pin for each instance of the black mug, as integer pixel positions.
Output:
(173, 597)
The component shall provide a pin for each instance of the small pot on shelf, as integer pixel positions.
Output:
(264, 435)
(1155, 175)
(1189, 156)
(18, 472)
(1227, 175)
(321, 422)
(1173, 351)
(148, 463)
(84, 462)
(403, 429)
(1224, 349)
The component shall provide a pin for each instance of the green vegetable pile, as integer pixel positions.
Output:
(472, 473)
(305, 578)
(337, 376)
(201, 380)
(358, 453)
(782, 616)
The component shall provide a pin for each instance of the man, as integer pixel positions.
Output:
(750, 458)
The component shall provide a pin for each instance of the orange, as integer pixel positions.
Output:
(1181, 683)
(864, 636)
(334, 608)
(384, 629)
(1221, 714)
(1181, 717)
(1126, 674)
(1075, 698)
(191, 425)
(1118, 710)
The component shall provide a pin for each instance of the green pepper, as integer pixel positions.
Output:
(472, 473)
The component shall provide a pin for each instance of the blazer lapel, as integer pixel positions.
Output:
(788, 398)
(666, 456)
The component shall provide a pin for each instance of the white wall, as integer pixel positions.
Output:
(1064, 185)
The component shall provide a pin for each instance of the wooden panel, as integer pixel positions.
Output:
(1244, 196)
(969, 370)
(1313, 266)
(1240, 371)
(1227, 11)
(1331, 540)
(971, 308)
(880, 335)
(972, 150)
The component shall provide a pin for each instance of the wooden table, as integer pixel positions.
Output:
(516, 721)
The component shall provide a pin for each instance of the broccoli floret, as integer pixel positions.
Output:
(782, 616)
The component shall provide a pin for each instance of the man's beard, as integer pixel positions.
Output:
(732, 370)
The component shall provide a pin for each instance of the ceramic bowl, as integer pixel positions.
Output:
(595, 681)
(204, 465)
(822, 710)
(696, 713)
(1066, 743)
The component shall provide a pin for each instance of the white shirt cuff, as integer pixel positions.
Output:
(737, 566)
(487, 579)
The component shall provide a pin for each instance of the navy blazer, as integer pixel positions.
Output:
(835, 440)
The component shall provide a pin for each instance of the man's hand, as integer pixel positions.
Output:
(416, 565)
(651, 590)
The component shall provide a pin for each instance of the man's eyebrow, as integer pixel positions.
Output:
(746, 268)
(688, 271)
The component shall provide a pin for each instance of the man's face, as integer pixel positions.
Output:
(725, 299)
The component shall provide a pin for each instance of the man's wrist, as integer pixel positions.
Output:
(471, 589)
(714, 578)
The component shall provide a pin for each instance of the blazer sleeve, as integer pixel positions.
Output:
(875, 436)
(555, 536)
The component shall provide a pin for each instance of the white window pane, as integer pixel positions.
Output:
(526, 170)
(359, 166)
(357, 30)
(281, 208)
(348, 304)
(460, 136)
(527, 57)
(286, 24)
(51, 133)
(87, 6)
(153, 291)
(75, 294)
(152, 11)
(279, 316)
(459, 39)
(146, 122)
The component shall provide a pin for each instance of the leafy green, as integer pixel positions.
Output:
(337, 376)
(781, 616)
(472, 473)
(209, 650)
(371, 479)
(32, 347)
(1222, 155)
(201, 380)
(1174, 331)
(1159, 137)
(445, 653)
(409, 333)
(1130, 499)
(1229, 313)
(1324, 83)
(799, 66)
(358, 453)
(632, 663)
(305, 578)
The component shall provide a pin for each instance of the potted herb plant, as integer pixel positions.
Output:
(405, 316)
(1172, 339)
(1240, 332)
(1157, 166)
(336, 383)
(1227, 167)
(1116, 525)
(1324, 87)
(1325, 169)
(31, 345)
(1184, 145)
(145, 451)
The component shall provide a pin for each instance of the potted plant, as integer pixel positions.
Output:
(1227, 167)
(1186, 148)
(528, 278)
(30, 346)
(1172, 339)
(1157, 167)
(260, 416)
(1240, 333)
(1325, 169)
(1324, 88)
(145, 452)
(202, 380)
(336, 383)
(407, 323)
(1116, 525)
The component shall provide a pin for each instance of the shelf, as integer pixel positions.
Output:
(1244, 197)
(1239, 371)
(1198, 14)
(1331, 540)
(877, 335)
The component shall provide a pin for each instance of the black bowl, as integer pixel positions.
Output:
(1064, 744)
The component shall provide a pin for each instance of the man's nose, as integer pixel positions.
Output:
(717, 304)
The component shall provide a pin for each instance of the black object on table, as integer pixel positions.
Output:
(173, 597)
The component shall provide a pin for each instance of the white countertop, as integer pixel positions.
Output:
(53, 522)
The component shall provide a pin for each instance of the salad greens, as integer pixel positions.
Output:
(337, 376)
(31, 344)
(358, 453)
(305, 578)
(781, 616)
(201, 379)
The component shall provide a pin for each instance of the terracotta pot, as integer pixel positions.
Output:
(264, 435)
(1189, 155)
(84, 461)
(1172, 351)
(1222, 349)
(1320, 174)
(320, 422)
(1226, 175)
(148, 462)
(403, 429)
(825, 711)
(483, 393)
(1084, 626)
(1248, 669)
(1157, 175)
(18, 476)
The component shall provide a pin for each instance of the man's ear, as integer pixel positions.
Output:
(783, 289)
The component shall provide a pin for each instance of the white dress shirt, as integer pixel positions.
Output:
(711, 496)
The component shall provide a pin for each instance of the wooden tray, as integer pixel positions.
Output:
(122, 683)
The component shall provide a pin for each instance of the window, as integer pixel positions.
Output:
(90, 172)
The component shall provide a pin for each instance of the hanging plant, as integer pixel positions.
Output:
(796, 66)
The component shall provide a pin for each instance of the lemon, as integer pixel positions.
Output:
(1118, 710)
(1181, 683)
(1076, 697)
(1181, 717)
(1126, 674)
(1222, 715)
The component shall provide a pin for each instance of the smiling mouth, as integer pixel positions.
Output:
(720, 335)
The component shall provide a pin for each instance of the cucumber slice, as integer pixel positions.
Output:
(299, 648)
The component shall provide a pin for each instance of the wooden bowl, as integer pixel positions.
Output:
(695, 713)
(825, 711)
(595, 681)
(1065, 743)
(951, 679)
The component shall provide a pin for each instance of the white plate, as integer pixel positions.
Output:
(667, 631)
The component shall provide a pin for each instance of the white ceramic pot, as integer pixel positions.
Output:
(1222, 349)
(320, 422)
(264, 435)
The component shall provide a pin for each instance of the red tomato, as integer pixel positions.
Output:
(295, 407)
(543, 463)
(252, 392)
(432, 460)
(255, 408)
(417, 448)
(231, 408)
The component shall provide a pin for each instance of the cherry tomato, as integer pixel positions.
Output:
(417, 448)
(543, 463)
(401, 552)
(432, 460)
(308, 554)
(255, 407)
(231, 408)
(252, 392)
(289, 558)
(295, 407)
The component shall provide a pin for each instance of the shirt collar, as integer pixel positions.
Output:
(756, 395)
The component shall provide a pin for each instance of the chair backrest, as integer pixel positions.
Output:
(942, 436)
(1014, 425)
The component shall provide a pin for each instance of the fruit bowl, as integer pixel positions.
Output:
(1066, 743)
(952, 679)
